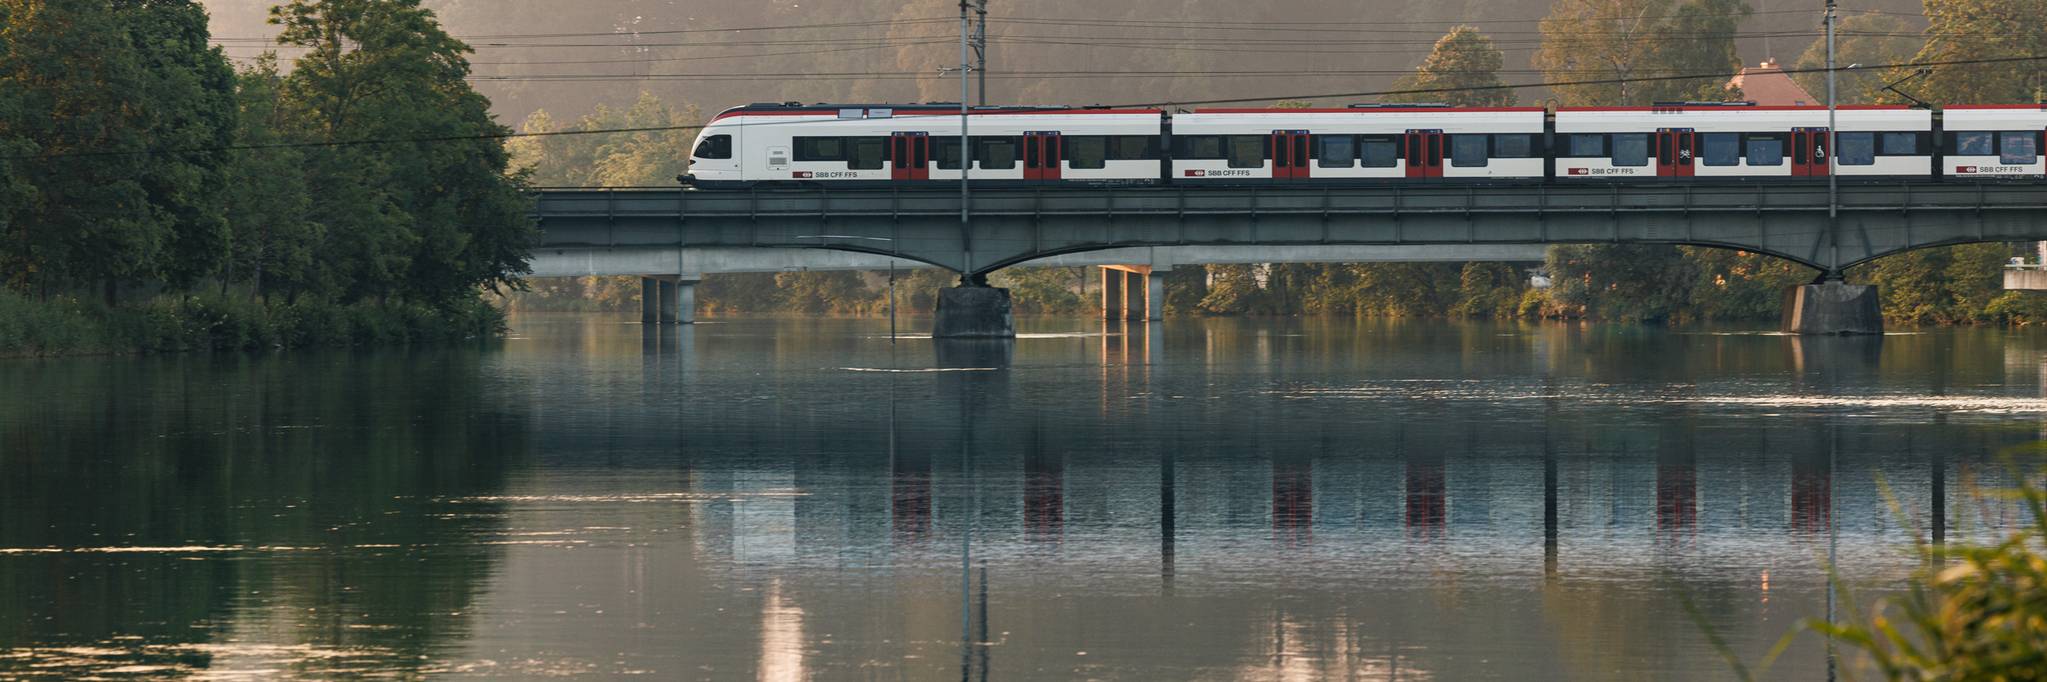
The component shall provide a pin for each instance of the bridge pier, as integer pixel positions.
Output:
(683, 306)
(650, 300)
(1133, 292)
(668, 300)
(1832, 307)
(970, 312)
(1112, 293)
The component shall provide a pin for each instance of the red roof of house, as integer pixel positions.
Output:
(1768, 85)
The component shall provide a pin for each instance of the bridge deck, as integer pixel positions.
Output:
(1788, 219)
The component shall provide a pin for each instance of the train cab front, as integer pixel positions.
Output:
(715, 161)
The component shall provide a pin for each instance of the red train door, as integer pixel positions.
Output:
(1809, 152)
(910, 156)
(1424, 153)
(1675, 152)
(1290, 154)
(1042, 156)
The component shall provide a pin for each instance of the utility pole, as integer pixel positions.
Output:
(1833, 181)
(981, 49)
(966, 156)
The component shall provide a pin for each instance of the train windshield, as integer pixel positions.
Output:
(714, 147)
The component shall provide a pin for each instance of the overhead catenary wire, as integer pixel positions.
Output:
(1126, 105)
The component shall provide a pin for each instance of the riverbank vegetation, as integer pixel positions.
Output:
(155, 197)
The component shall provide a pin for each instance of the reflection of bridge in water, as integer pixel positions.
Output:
(1427, 458)
(1306, 501)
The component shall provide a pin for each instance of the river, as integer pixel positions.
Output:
(791, 498)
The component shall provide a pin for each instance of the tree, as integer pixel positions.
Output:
(88, 217)
(272, 233)
(1633, 52)
(1965, 30)
(189, 120)
(1463, 70)
(1861, 39)
(429, 219)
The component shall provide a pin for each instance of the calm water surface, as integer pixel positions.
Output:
(787, 499)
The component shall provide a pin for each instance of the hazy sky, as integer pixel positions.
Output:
(568, 57)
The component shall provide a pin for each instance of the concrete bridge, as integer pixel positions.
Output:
(1789, 220)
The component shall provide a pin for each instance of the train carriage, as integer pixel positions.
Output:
(1992, 142)
(919, 145)
(854, 145)
(1365, 143)
(1710, 140)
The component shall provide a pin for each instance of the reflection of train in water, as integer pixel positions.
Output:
(913, 145)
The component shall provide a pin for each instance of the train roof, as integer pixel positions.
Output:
(1416, 108)
(917, 109)
(1708, 106)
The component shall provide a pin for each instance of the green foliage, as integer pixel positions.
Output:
(66, 326)
(637, 159)
(1860, 39)
(1962, 30)
(427, 220)
(137, 159)
(1941, 285)
(1628, 45)
(1047, 291)
(1465, 66)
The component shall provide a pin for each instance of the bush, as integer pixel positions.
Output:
(171, 324)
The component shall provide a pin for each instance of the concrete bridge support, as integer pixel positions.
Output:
(972, 312)
(1832, 308)
(650, 300)
(668, 300)
(1133, 292)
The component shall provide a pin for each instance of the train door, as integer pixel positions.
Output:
(910, 155)
(1424, 153)
(1290, 154)
(1809, 152)
(1675, 152)
(1042, 156)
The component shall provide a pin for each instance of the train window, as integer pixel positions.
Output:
(1900, 144)
(1248, 151)
(1721, 149)
(1855, 149)
(1133, 148)
(946, 151)
(2018, 148)
(1513, 146)
(1468, 151)
(1631, 149)
(1087, 151)
(1379, 152)
(864, 153)
(1975, 144)
(1584, 145)
(1765, 150)
(1198, 146)
(1336, 151)
(714, 147)
(820, 149)
(995, 153)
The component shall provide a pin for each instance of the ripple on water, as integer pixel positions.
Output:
(1676, 394)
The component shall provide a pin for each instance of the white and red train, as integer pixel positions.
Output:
(912, 145)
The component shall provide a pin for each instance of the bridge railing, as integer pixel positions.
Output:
(1792, 196)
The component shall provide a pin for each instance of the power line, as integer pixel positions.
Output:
(1134, 105)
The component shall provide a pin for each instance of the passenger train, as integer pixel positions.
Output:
(919, 145)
